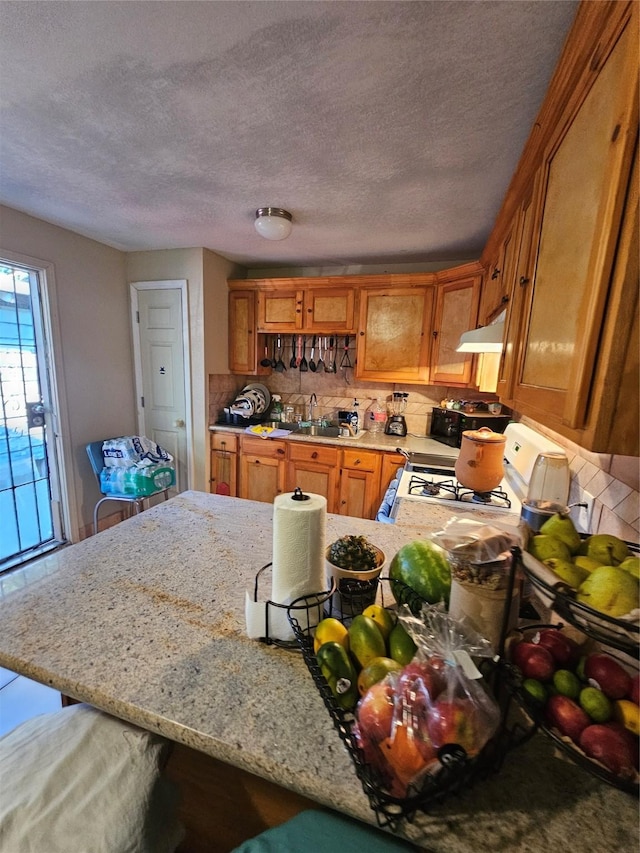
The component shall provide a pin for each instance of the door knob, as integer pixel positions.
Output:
(179, 422)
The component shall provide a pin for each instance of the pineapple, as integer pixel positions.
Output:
(354, 553)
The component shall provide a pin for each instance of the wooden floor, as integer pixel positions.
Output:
(222, 806)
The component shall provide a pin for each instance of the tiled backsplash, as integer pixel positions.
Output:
(613, 481)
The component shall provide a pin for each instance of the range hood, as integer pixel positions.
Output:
(485, 339)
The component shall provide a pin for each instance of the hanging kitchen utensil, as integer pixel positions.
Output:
(294, 362)
(331, 366)
(280, 365)
(266, 361)
(312, 365)
(345, 361)
(304, 367)
(274, 360)
(320, 365)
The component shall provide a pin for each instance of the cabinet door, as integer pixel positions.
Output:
(496, 282)
(314, 468)
(359, 483)
(280, 310)
(389, 466)
(242, 332)
(456, 312)
(329, 310)
(393, 342)
(262, 469)
(224, 478)
(586, 170)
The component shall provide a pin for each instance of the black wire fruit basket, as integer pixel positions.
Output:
(620, 634)
(513, 681)
(456, 770)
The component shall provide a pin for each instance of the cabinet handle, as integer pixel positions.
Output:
(523, 280)
(361, 334)
(434, 333)
(357, 462)
(504, 299)
(495, 273)
(280, 451)
(314, 455)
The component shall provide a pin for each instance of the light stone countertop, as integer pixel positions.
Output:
(146, 621)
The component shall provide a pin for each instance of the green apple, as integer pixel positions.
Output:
(568, 572)
(631, 565)
(544, 548)
(561, 526)
(587, 563)
(606, 548)
(610, 590)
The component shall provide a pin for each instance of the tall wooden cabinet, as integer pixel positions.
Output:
(567, 302)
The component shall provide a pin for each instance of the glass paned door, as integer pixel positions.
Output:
(29, 510)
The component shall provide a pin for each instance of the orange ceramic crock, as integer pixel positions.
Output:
(480, 463)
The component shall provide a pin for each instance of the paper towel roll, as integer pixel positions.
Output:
(297, 565)
(298, 546)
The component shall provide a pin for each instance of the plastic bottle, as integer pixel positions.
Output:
(359, 417)
(276, 408)
(376, 417)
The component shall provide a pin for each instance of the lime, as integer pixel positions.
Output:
(596, 704)
(382, 617)
(401, 646)
(567, 683)
(535, 690)
(580, 668)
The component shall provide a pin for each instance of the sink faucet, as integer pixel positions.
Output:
(313, 405)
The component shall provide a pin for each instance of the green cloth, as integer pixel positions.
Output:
(323, 832)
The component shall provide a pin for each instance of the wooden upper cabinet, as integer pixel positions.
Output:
(280, 310)
(243, 356)
(329, 310)
(585, 174)
(393, 340)
(456, 312)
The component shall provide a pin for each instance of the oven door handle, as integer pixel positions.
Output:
(403, 452)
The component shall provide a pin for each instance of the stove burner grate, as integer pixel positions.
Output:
(428, 488)
(423, 486)
(497, 495)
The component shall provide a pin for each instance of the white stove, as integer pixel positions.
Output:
(432, 480)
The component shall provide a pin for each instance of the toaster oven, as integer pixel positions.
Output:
(447, 425)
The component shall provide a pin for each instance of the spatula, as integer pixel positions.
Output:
(320, 365)
(312, 365)
(304, 367)
(294, 361)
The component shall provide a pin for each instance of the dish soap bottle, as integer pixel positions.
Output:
(358, 424)
(376, 417)
(276, 408)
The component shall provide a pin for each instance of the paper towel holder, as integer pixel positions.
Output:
(309, 606)
(299, 495)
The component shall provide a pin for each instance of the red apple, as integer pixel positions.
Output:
(564, 650)
(375, 711)
(534, 661)
(608, 675)
(566, 716)
(455, 721)
(422, 672)
(610, 747)
(634, 690)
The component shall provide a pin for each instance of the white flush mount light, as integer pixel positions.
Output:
(273, 223)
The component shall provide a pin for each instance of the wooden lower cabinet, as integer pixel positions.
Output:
(314, 468)
(224, 464)
(359, 483)
(389, 465)
(261, 469)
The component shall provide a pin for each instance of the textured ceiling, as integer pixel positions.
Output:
(390, 130)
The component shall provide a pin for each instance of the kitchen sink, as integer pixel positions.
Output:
(323, 432)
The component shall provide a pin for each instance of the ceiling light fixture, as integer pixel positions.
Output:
(273, 223)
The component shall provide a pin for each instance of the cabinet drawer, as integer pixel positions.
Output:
(318, 453)
(367, 460)
(265, 449)
(224, 441)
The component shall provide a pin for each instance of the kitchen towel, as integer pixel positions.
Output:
(298, 569)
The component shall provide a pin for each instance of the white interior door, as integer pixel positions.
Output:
(161, 369)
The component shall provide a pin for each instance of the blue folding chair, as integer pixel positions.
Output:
(136, 502)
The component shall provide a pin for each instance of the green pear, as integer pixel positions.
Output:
(610, 590)
(606, 548)
(587, 563)
(544, 548)
(631, 565)
(568, 572)
(561, 526)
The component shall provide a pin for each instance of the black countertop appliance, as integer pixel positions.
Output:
(447, 425)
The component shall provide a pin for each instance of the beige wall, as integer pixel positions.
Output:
(93, 353)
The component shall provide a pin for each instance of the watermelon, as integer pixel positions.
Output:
(423, 566)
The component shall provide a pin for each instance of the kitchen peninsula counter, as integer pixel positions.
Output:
(146, 621)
